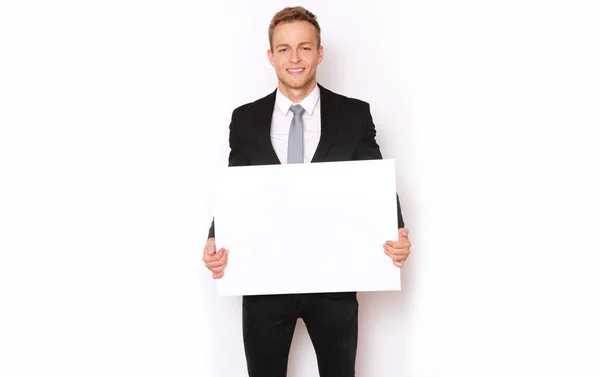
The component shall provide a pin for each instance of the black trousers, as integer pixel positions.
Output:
(268, 327)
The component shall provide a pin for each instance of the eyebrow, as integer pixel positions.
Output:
(287, 45)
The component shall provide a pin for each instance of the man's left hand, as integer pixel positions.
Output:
(399, 250)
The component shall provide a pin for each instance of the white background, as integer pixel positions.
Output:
(113, 119)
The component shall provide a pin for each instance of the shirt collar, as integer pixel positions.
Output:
(308, 104)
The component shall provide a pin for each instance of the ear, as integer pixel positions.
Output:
(320, 54)
(270, 56)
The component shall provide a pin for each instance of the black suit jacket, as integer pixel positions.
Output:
(347, 134)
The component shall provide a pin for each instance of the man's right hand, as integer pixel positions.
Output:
(215, 262)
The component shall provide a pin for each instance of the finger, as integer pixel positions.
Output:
(401, 244)
(210, 247)
(402, 251)
(397, 256)
(221, 262)
(392, 255)
(216, 256)
(396, 251)
(402, 233)
(209, 253)
(217, 264)
(390, 248)
(219, 269)
(218, 275)
(400, 258)
(387, 247)
(221, 255)
(399, 264)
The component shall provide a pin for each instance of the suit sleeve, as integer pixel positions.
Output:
(236, 156)
(368, 149)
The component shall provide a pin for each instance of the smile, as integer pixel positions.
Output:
(295, 71)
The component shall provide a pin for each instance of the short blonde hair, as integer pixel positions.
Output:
(290, 14)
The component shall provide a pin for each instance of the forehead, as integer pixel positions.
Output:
(294, 32)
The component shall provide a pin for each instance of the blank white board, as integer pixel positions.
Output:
(307, 228)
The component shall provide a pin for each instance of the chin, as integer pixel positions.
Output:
(293, 85)
(296, 84)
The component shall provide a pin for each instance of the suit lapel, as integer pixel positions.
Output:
(328, 124)
(264, 115)
(262, 121)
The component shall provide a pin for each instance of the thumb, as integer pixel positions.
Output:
(402, 232)
(211, 246)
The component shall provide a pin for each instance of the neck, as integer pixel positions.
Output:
(296, 95)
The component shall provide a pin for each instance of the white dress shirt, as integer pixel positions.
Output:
(282, 119)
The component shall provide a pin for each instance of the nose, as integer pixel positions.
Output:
(295, 57)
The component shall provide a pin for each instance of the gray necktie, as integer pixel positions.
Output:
(295, 147)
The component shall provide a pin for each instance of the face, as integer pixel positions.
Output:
(295, 55)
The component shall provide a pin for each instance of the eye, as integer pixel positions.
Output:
(306, 48)
(283, 50)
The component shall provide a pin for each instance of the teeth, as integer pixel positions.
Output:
(296, 70)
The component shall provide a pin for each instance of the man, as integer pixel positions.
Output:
(301, 122)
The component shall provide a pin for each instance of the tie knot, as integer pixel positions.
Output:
(297, 110)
